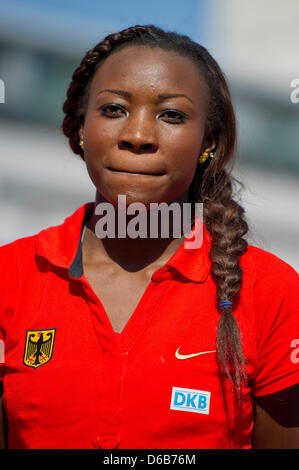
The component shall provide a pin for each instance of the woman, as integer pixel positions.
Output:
(125, 342)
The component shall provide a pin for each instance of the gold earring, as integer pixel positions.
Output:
(81, 144)
(204, 156)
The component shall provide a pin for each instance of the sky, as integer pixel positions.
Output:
(178, 15)
(173, 14)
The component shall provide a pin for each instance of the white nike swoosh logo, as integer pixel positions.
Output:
(188, 356)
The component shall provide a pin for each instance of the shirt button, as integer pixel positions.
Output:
(108, 442)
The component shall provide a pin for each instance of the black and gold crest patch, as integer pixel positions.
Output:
(39, 346)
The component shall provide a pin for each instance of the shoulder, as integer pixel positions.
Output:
(261, 264)
(14, 267)
(56, 244)
(272, 285)
(17, 261)
(272, 299)
(20, 255)
(10, 252)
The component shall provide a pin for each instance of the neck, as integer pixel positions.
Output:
(133, 254)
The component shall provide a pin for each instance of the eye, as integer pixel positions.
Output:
(173, 116)
(112, 110)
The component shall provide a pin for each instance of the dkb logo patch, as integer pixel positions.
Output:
(187, 399)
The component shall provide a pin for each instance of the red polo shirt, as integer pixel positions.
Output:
(71, 382)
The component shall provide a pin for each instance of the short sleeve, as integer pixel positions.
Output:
(276, 304)
(8, 295)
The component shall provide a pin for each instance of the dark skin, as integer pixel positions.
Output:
(140, 129)
(142, 132)
(135, 123)
(277, 420)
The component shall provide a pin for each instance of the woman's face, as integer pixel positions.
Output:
(144, 125)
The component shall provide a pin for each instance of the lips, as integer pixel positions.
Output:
(137, 172)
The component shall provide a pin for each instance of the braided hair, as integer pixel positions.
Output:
(212, 183)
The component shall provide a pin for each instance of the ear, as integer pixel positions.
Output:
(209, 143)
(81, 132)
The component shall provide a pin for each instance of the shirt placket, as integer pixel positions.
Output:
(110, 401)
(111, 397)
(114, 359)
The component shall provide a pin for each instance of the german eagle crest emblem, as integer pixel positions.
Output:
(38, 347)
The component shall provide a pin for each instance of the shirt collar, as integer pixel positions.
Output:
(61, 245)
(193, 263)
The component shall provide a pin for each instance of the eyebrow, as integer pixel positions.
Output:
(162, 96)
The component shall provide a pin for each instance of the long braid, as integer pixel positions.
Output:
(212, 184)
(224, 219)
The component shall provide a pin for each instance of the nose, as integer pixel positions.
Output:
(138, 134)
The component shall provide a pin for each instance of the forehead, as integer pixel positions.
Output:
(142, 67)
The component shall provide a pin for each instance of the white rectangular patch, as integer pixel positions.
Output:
(187, 399)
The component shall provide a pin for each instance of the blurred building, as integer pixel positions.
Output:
(42, 181)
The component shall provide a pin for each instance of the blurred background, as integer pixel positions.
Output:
(256, 45)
